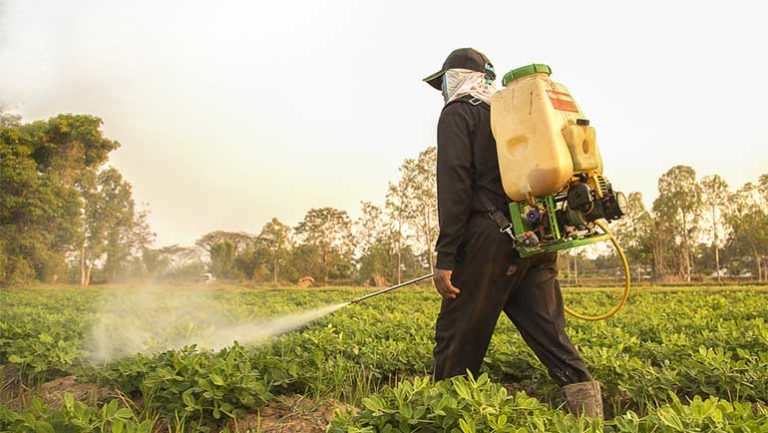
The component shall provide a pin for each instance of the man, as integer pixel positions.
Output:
(478, 271)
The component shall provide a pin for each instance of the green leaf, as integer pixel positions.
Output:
(189, 401)
(43, 427)
(466, 426)
(462, 390)
(124, 413)
(669, 417)
(373, 403)
(217, 380)
(501, 420)
(69, 401)
(117, 426)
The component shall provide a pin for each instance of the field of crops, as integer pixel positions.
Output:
(673, 360)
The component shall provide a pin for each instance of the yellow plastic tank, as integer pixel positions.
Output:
(542, 136)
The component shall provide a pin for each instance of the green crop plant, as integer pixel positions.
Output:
(74, 417)
(665, 349)
(466, 405)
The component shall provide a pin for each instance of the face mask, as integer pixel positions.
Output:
(445, 88)
(459, 82)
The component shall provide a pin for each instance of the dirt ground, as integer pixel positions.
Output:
(283, 414)
(18, 396)
(52, 393)
(289, 414)
(9, 382)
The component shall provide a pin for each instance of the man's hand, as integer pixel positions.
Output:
(442, 280)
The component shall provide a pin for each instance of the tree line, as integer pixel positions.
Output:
(384, 245)
(67, 217)
(63, 214)
(698, 228)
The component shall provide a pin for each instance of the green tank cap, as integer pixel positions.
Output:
(535, 68)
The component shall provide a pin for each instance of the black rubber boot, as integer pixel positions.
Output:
(584, 398)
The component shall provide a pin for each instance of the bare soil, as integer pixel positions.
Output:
(52, 393)
(289, 414)
(10, 383)
(17, 396)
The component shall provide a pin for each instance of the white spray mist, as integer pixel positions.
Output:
(151, 320)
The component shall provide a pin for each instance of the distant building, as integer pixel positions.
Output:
(723, 273)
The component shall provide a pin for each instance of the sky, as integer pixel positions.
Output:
(231, 113)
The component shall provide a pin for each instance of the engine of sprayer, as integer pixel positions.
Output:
(550, 164)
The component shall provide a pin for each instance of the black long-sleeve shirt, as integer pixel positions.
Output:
(467, 166)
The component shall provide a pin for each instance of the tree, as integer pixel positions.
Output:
(109, 224)
(173, 261)
(374, 243)
(750, 237)
(370, 227)
(251, 262)
(762, 187)
(70, 145)
(419, 192)
(395, 205)
(241, 240)
(38, 213)
(678, 207)
(635, 232)
(327, 231)
(130, 231)
(276, 238)
(748, 218)
(56, 202)
(715, 196)
(9, 120)
(223, 259)
(155, 261)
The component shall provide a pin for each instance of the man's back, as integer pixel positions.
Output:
(467, 167)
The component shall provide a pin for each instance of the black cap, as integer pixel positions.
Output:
(463, 58)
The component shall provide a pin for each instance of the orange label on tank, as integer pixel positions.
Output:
(562, 101)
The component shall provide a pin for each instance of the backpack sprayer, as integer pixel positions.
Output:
(552, 171)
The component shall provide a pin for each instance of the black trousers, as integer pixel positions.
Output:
(493, 278)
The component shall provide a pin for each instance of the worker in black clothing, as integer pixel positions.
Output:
(478, 271)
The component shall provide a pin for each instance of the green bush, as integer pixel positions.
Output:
(73, 417)
(661, 348)
(466, 405)
(18, 271)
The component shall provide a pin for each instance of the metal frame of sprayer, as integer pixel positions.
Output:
(568, 219)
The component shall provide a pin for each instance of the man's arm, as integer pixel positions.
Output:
(454, 180)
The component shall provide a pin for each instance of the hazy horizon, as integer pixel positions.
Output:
(232, 115)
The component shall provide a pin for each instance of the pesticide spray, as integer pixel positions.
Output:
(151, 320)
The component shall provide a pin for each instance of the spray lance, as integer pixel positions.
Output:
(613, 311)
(389, 289)
(552, 172)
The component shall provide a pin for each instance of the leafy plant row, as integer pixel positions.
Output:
(663, 347)
(466, 405)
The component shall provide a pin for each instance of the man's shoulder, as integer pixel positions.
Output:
(466, 107)
(467, 103)
(458, 105)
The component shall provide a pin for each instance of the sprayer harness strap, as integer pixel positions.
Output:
(505, 226)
